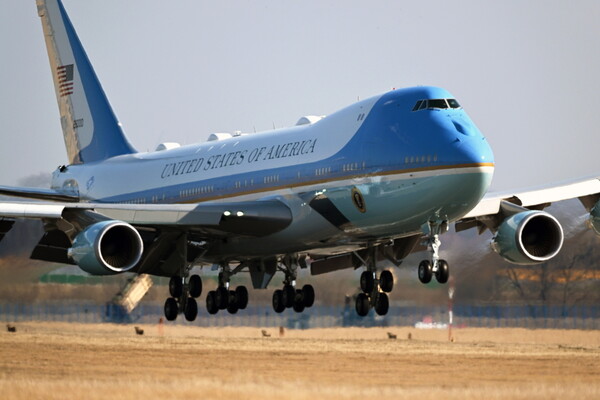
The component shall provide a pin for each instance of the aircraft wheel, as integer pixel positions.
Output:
(278, 304)
(232, 306)
(171, 309)
(425, 272)
(362, 304)
(241, 297)
(222, 297)
(367, 281)
(195, 285)
(386, 281)
(288, 295)
(211, 302)
(443, 272)
(308, 293)
(382, 304)
(299, 301)
(191, 309)
(176, 286)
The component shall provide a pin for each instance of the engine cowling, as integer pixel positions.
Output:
(595, 218)
(528, 237)
(107, 248)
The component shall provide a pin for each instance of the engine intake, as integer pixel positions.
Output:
(529, 237)
(107, 248)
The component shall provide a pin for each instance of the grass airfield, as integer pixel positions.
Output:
(98, 361)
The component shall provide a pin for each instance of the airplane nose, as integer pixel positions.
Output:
(473, 150)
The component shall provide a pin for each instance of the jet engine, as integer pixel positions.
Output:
(528, 237)
(595, 218)
(107, 248)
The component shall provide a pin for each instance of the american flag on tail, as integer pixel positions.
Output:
(65, 79)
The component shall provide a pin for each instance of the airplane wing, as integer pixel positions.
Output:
(523, 232)
(156, 239)
(38, 194)
(256, 218)
(541, 196)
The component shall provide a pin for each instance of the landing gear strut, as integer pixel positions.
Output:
(289, 296)
(223, 298)
(184, 293)
(437, 267)
(374, 289)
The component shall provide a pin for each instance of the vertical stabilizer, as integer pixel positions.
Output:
(90, 127)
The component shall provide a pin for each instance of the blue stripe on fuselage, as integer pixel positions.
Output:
(392, 139)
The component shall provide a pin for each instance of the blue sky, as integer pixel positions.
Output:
(526, 72)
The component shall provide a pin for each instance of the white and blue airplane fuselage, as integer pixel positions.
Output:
(408, 166)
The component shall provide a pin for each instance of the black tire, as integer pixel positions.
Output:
(386, 281)
(308, 294)
(176, 286)
(425, 272)
(191, 309)
(211, 302)
(443, 272)
(382, 304)
(241, 297)
(195, 285)
(171, 309)
(232, 306)
(278, 304)
(367, 282)
(222, 297)
(299, 301)
(362, 304)
(288, 296)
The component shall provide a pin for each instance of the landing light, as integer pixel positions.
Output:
(227, 213)
(240, 214)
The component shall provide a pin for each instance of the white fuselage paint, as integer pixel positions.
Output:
(194, 163)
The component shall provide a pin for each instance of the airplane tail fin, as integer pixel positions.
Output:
(90, 128)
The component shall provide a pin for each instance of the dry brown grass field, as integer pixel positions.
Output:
(77, 361)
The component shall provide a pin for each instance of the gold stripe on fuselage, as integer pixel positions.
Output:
(347, 177)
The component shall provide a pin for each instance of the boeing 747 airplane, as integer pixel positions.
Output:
(368, 183)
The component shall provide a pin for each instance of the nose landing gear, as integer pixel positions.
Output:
(436, 267)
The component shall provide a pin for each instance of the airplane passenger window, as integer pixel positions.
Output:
(453, 103)
(437, 103)
(416, 107)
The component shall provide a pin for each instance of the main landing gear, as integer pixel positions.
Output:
(374, 289)
(224, 298)
(437, 267)
(289, 296)
(184, 293)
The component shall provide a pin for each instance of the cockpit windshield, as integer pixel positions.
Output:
(436, 104)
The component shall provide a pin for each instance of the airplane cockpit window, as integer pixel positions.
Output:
(436, 104)
(453, 103)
